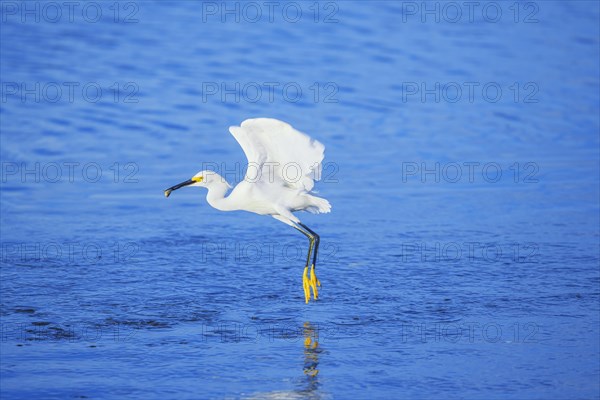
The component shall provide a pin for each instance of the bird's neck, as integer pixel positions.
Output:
(216, 196)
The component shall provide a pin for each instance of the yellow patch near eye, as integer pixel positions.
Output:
(197, 179)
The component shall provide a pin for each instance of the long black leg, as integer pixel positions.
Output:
(307, 282)
(311, 240)
(317, 242)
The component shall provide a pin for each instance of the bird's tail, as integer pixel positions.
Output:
(319, 205)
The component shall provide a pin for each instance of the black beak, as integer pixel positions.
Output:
(182, 184)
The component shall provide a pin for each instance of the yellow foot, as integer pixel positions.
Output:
(306, 284)
(314, 282)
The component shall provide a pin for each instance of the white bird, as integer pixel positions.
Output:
(283, 164)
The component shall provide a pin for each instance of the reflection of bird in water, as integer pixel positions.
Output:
(310, 369)
(283, 165)
(311, 356)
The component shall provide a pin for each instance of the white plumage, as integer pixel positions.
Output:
(283, 165)
(273, 142)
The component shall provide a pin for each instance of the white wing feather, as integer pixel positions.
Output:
(273, 146)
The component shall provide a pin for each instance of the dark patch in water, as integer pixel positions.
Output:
(25, 310)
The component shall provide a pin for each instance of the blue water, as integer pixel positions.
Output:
(461, 258)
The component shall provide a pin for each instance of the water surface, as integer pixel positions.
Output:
(461, 257)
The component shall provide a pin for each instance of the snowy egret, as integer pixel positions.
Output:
(283, 164)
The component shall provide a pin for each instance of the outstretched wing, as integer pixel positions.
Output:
(276, 151)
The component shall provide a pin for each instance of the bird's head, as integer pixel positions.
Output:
(202, 179)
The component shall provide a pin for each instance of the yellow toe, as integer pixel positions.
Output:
(306, 285)
(314, 282)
